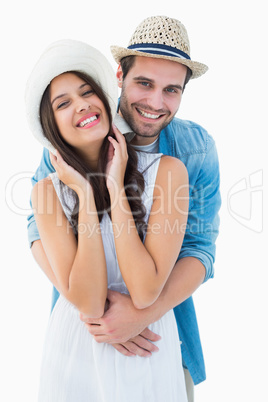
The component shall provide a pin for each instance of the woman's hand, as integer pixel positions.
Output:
(117, 162)
(67, 174)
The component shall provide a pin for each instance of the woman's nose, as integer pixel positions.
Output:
(82, 105)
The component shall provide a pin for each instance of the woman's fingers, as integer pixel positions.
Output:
(114, 143)
(57, 161)
(120, 137)
(52, 158)
(110, 153)
(55, 158)
(117, 132)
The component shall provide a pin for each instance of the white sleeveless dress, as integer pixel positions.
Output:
(75, 368)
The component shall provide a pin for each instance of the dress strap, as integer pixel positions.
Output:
(152, 163)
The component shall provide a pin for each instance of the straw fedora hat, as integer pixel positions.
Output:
(161, 37)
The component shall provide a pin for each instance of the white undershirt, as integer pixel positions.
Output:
(152, 148)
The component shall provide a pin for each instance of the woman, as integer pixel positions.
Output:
(106, 219)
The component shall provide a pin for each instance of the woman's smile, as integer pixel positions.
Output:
(88, 121)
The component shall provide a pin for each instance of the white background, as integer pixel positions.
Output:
(229, 101)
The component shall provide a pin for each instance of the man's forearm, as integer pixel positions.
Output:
(123, 321)
(187, 275)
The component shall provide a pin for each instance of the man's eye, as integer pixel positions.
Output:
(145, 84)
(171, 90)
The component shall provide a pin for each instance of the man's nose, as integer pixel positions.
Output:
(155, 100)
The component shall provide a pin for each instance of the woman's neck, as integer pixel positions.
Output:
(90, 156)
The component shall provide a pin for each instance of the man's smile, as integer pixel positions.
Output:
(148, 115)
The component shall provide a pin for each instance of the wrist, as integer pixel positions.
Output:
(84, 191)
(154, 312)
(117, 195)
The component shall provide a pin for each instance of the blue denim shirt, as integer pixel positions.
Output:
(196, 148)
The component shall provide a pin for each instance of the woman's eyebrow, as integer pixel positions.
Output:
(58, 97)
(62, 95)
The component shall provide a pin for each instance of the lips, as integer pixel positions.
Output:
(88, 120)
(147, 115)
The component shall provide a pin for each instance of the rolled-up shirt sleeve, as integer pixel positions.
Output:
(203, 221)
(44, 169)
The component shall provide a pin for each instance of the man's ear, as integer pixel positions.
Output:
(119, 76)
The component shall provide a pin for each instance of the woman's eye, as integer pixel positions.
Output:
(89, 92)
(62, 105)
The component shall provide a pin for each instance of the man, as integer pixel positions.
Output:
(152, 75)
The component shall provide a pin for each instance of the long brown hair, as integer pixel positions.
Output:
(133, 181)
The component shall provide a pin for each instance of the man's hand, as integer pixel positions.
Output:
(141, 345)
(122, 323)
(123, 326)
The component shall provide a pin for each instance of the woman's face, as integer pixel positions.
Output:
(80, 115)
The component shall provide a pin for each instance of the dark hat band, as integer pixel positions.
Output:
(157, 49)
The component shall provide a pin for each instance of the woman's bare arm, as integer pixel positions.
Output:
(78, 268)
(146, 267)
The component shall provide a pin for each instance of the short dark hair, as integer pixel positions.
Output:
(128, 62)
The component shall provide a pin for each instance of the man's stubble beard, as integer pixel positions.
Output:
(142, 130)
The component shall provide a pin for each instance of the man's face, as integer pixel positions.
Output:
(151, 95)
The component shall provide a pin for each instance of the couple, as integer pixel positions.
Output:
(102, 183)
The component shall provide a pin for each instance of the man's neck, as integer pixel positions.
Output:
(152, 148)
(142, 141)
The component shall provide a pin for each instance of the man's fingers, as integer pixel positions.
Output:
(89, 320)
(120, 348)
(138, 346)
(143, 343)
(150, 335)
(111, 294)
(134, 348)
(94, 329)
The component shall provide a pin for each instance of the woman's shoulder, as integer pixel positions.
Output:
(43, 192)
(52, 190)
(171, 163)
(43, 197)
(43, 184)
(173, 169)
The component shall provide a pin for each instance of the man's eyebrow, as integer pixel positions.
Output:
(141, 78)
(175, 86)
(62, 95)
